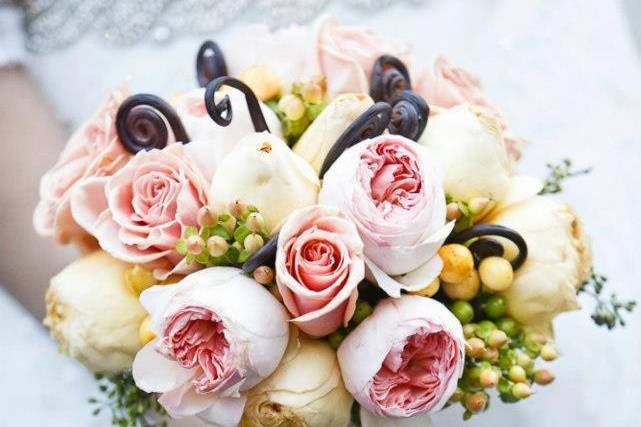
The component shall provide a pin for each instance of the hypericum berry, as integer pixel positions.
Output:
(517, 374)
(491, 355)
(195, 244)
(521, 391)
(253, 243)
(312, 92)
(549, 353)
(207, 216)
(478, 205)
(496, 273)
(217, 246)
(263, 275)
(497, 338)
(292, 106)
(468, 330)
(453, 212)
(476, 402)
(362, 312)
(495, 307)
(255, 222)
(463, 311)
(524, 360)
(543, 377)
(464, 290)
(475, 347)
(236, 208)
(430, 290)
(458, 262)
(230, 224)
(488, 378)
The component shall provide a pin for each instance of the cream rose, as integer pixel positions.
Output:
(559, 259)
(469, 147)
(191, 109)
(93, 315)
(391, 188)
(319, 264)
(93, 150)
(263, 171)
(321, 135)
(305, 390)
(219, 333)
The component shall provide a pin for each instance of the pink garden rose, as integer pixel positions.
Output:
(219, 333)
(140, 212)
(94, 150)
(319, 264)
(446, 86)
(405, 359)
(391, 188)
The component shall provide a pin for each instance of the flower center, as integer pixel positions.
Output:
(154, 198)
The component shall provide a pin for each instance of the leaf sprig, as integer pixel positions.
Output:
(557, 173)
(129, 406)
(607, 312)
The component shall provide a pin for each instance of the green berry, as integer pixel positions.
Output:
(463, 311)
(363, 310)
(336, 338)
(509, 326)
(484, 329)
(495, 307)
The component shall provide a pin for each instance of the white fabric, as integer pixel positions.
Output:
(567, 77)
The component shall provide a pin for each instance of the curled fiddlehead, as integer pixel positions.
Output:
(222, 113)
(210, 63)
(480, 230)
(409, 115)
(389, 76)
(368, 125)
(141, 123)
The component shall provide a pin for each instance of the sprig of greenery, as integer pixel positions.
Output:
(557, 173)
(128, 404)
(607, 311)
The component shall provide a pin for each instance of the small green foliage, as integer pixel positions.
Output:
(607, 312)
(557, 173)
(127, 403)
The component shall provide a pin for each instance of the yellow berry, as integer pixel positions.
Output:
(475, 347)
(489, 378)
(496, 273)
(262, 81)
(253, 243)
(292, 106)
(429, 290)
(497, 338)
(144, 332)
(521, 390)
(458, 262)
(549, 353)
(465, 290)
(255, 222)
(517, 374)
(217, 246)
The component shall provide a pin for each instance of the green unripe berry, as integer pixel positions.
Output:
(495, 307)
(517, 374)
(463, 311)
(509, 326)
(363, 310)
(336, 338)
(484, 329)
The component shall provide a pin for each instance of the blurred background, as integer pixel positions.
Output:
(567, 75)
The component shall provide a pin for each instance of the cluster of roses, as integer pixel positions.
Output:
(220, 344)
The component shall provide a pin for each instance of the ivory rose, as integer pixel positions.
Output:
(405, 359)
(446, 86)
(391, 188)
(219, 334)
(94, 150)
(319, 264)
(140, 212)
(305, 390)
(262, 171)
(191, 109)
(93, 315)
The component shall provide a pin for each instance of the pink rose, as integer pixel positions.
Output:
(405, 359)
(219, 333)
(391, 188)
(93, 150)
(446, 86)
(346, 55)
(140, 212)
(319, 264)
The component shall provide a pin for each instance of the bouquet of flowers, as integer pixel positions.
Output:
(320, 235)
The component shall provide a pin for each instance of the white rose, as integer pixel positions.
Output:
(321, 135)
(305, 390)
(559, 259)
(93, 315)
(191, 109)
(263, 171)
(469, 146)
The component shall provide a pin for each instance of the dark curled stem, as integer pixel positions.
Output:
(371, 123)
(480, 230)
(210, 63)
(265, 256)
(141, 123)
(409, 115)
(389, 75)
(222, 112)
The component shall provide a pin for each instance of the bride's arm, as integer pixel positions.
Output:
(31, 140)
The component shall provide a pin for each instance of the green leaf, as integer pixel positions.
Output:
(243, 256)
(190, 231)
(219, 230)
(181, 247)
(241, 232)
(232, 255)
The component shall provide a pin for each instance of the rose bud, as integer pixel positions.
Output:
(93, 315)
(262, 171)
(559, 258)
(319, 264)
(390, 187)
(469, 146)
(321, 135)
(191, 109)
(93, 150)
(140, 212)
(211, 346)
(306, 389)
(382, 359)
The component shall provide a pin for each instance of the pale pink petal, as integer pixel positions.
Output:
(371, 420)
(154, 373)
(225, 411)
